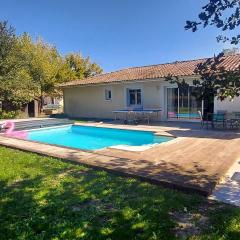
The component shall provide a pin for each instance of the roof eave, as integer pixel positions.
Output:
(125, 81)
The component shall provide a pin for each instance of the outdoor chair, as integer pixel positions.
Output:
(219, 119)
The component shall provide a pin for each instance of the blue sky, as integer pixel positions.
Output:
(115, 33)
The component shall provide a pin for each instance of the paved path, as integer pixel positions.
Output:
(228, 190)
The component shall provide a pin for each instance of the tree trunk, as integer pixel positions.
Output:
(41, 102)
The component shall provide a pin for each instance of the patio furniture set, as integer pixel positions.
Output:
(221, 119)
(136, 115)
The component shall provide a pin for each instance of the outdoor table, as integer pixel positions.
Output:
(216, 118)
(132, 115)
(223, 120)
(233, 121)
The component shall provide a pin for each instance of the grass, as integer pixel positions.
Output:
(46, 198)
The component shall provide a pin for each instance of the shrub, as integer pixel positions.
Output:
(7, 115)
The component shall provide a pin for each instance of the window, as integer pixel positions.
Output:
(134, 97)
(108, 94)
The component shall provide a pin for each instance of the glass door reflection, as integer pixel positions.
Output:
(183, 103)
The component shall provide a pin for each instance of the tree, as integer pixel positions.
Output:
(223, 14)
(15, 87)
(215, 80)
(43, 63)
(32, 69)
(48, 68)
(7, 41)
(7, 44)
(80, 67)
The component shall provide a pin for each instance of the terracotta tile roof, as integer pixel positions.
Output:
(181, 68)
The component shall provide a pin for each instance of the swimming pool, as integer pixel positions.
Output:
(93, 138)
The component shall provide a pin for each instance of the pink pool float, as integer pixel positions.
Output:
(11, 133)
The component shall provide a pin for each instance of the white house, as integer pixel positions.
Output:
(145, 87)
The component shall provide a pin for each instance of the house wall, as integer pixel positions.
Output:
(89, 101)
(227, 105)
(50, 100)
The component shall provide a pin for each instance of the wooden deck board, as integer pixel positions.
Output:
(195, 160)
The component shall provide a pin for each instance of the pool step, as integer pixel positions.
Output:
(48, 122)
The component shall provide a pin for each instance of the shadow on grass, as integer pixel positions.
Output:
(90, 205)
(76, 202)
(45, 198)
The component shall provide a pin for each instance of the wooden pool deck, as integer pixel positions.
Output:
(195, 161)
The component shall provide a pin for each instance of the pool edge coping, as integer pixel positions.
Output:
(104, 125)
(127, 148)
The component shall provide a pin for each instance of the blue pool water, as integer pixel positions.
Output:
(92, 138)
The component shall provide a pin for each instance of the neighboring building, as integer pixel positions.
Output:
(53, 100)
(33, 108)
(144, 87)
(52, 105)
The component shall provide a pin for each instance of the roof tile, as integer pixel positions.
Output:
(183, 68)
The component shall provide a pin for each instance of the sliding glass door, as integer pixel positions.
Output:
(183, 107)
(183, 103)
(172, 102)
(195, 105)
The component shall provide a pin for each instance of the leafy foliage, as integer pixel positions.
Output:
(7, 115)
(217, 80)
(224, 14)
(223, 83)
(213, 80)
(31, 69)
(15, 87)
(81, 67)
(43, 62)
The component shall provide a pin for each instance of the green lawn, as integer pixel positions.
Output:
(46, 198)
